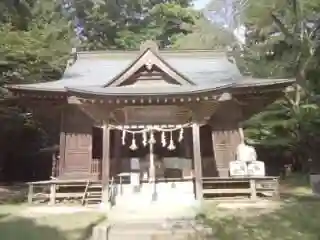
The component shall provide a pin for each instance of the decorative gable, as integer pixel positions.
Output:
(149, 70)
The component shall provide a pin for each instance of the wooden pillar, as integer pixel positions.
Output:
(117, 152)
(30, 193)
(187, 143)
(197, 160)
(253, 190)
(105, 164)
(62, 143)
(53, 189)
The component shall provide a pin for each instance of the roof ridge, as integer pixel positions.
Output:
(161, 50)
(163, 53)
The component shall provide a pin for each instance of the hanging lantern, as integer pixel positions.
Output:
(133, 145)
(171, 146)
(163, 139)
(144, 139)
(152, 139)
(123, 137)
(180, 135)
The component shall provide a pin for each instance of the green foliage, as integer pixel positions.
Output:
(124, 25)
(35, 42)
(37, 51)
(204, 35)
(283, 42)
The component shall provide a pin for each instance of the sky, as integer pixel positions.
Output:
(198, 4)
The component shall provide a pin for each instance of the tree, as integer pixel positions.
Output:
(283, 41)
(38, 50)
(204, 35)
(125, 24)
(35, 42)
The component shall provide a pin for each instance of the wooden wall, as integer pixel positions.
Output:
(225, 135)
(209, 168)
(75, 144)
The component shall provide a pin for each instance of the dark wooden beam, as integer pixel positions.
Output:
(105, 164)
(197, 160)
(202, 111)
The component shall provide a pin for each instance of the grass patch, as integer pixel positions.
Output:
(11, 209)
(296, 184)
(77, 226)
(296, 218)
(294, 221)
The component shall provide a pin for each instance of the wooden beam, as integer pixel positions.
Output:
(74, 100)
(105, 164)
(62, 142)
(197, 160)
(204, 110)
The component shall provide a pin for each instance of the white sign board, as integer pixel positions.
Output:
(238, 168)
(256, 168)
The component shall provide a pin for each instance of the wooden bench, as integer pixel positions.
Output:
(248, 186)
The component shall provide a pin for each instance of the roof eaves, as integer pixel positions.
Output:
(146, 93)
(264, 82)
(25, 87)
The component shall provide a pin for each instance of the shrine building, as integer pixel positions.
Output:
(148, 119)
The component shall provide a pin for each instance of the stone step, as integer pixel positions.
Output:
(151, 212)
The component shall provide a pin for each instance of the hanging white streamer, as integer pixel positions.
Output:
(152, 139)
(144, 139)
(133, 145)
(123, 137)
(180, 135)
(163, 139)
(171, 146)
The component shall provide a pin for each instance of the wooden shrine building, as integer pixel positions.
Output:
(162, 114)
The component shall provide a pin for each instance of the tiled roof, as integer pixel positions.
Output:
(91, 71)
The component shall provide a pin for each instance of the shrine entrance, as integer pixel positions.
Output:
(154, 165)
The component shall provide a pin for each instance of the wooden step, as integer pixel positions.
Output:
(95, 196)
(226, 191)
(95, 186)
(93, 199)
(94, 193)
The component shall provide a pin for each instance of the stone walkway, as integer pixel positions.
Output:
(152, 212)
